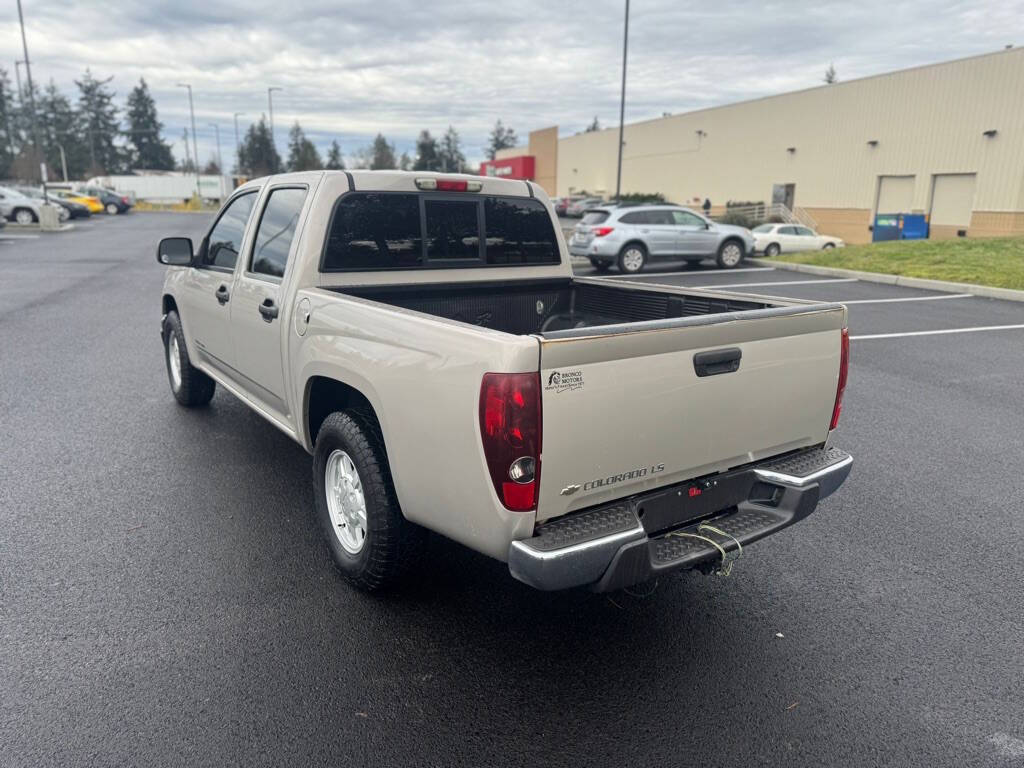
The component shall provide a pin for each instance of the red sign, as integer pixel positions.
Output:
(521, 167)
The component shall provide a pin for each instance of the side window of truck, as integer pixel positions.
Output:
(225, 239)
(374, 231)
(276, 231)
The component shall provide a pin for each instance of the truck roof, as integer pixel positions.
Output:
(390, 181)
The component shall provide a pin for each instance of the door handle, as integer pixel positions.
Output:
(269, 310)
(223, 294)
(717, 361)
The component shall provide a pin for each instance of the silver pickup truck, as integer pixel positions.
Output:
(424, 338)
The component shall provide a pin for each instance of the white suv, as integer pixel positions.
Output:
(633, 236)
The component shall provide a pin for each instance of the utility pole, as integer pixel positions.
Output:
(17, 75)
(622, 105)
(220, 163)
(31, 98)
(195, 146)
(270, 107)
(238, 145)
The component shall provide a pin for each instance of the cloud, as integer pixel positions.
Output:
(351, 69)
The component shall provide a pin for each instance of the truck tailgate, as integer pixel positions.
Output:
(635, 406)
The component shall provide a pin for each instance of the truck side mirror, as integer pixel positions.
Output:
(175, 251)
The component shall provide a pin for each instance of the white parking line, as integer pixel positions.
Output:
(909, 298)
(782, 282)
(4, 236)
(938, 333)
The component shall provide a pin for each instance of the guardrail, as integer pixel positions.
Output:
(774, 212)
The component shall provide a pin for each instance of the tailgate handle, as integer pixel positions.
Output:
(716, 361)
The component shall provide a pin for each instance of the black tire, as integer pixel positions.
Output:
(772, 250)
(600, 266)
(27, 215)
(628, 255)
(194, 388)
(391, 545)
(828, 246)
(730, 254)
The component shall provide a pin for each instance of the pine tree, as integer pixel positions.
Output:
(100, 125)
(501, 138)
(8, 126)
(426, 153)
(302, 154)
(59, 127)
(334, 159)
(830, 75)
(594, 126)
(149, 151)
(404, 162)
(212, 168)
(258, 156)
(450, 154)
(383, 154)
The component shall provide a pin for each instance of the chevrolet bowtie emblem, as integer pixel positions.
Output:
(569, 490)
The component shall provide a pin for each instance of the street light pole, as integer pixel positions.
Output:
(238, 145)
(31, 97)
(220, 163)
(270, 107)
(63, 161)
(17, 75)
(195, 145)
(622, 104)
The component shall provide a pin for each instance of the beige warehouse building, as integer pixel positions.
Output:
(946, 140)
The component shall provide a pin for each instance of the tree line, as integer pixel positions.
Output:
(88, 129)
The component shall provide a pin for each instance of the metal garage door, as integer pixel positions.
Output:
(895, 194)
(952, 199)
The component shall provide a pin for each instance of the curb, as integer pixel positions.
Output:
(986, 291)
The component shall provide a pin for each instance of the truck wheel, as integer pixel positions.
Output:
(632, 259)
(190, 386)
(372, 543)
(600, 266)
(730, 254)
(772, 250)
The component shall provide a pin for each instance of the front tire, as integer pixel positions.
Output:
(632, 259)
(190, 386)
(371, 542)
(772, 250)
(730, 254)
(828, 246)
(24, 216)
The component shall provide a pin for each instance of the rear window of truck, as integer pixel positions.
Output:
(397, 230)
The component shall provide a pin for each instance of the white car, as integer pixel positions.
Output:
(773, 239)
(18, 207)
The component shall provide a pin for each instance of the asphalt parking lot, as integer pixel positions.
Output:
(166, 599)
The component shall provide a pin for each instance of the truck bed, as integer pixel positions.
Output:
(550, 307)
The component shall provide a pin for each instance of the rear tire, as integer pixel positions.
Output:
(371, 542)
(190, 386)
(632, 259)
(772, 250)
(112, 209)
(730, 254)
(24, 216)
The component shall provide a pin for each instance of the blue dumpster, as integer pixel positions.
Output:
(899, 226)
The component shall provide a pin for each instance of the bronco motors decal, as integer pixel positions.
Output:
(564, 381)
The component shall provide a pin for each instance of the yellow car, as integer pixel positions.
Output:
(92, 203)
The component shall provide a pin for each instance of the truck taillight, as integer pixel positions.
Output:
(510, 430)
(844, 370)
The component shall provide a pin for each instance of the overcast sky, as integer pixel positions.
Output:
(350, 69)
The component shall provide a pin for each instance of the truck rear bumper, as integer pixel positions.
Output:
(636, 539)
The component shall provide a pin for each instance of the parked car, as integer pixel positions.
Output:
(773, 239)
(22, 209)
(92, 203)
(341, 307)
(112, 201)
(561, 204)
(73, 210)
(632, 237)
(576, 208)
